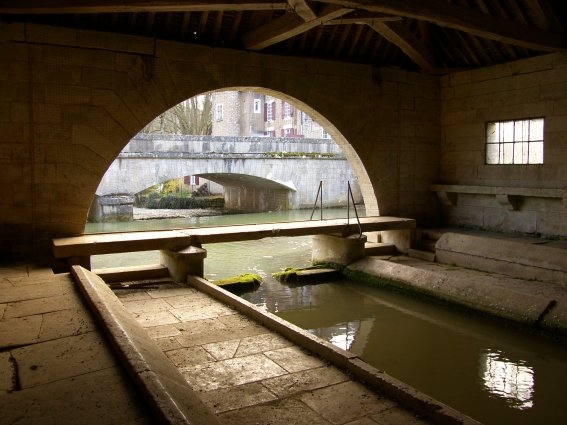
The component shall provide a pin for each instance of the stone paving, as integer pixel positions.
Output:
(248, 374)
(55, 365)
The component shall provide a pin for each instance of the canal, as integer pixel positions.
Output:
(495, 373)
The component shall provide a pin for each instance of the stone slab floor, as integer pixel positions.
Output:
(248, 374)
(55, 365)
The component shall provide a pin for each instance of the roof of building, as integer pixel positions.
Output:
(434, 36)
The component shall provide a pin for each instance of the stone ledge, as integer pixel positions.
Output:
(166, 391)
(508, 197)
(477, 291)
(519, 258)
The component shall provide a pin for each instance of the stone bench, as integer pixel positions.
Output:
(508, 197)
(181, 249)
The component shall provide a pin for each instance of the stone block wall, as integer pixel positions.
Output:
(529, 88)
(70, 100)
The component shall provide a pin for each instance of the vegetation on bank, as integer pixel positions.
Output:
(175, 194)
(299, 155)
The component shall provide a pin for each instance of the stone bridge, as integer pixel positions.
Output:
(256, 173)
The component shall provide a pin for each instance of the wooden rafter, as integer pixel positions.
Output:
(287, 26)
(108, 6)
(302, 9)
(467, 20)
(398, 34)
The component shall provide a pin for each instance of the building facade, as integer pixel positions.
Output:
(250, 114)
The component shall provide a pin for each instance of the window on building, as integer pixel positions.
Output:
(257, 106)
(219, 112)
(288, 132)
(515, 141)
(270, 111)
(326, 135)
(287, 110)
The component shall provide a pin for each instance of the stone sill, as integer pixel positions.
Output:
(508, 197)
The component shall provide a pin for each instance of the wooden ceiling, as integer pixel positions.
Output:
(434, 36)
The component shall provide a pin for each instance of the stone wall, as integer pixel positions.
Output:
(525, 89)
(70, 100)
(228, 144)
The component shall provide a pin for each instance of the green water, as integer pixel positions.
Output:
(494, 373)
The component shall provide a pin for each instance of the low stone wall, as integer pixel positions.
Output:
(522, 258)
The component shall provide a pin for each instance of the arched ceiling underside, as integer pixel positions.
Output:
(244, 180)
(434, 36)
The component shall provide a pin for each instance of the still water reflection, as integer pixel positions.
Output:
(495, 374)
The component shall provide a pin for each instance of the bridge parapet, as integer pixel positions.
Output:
(228, 144)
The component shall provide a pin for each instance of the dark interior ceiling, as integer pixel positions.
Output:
(434, 36)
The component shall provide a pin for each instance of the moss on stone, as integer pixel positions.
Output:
(241, 281)
(289, 274)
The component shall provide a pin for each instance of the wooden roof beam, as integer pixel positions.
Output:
(449, 15)
(115, 6)
(287, 26)
(302, 9)
(363, 18)
(398, 34)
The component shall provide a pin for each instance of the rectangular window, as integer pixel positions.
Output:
(326, 135)
(270, 111)
(286, 110)
(257, 106)
(515, 141)
(219, 112)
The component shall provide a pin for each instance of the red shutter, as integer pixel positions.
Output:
(283, 109)
(291, 110)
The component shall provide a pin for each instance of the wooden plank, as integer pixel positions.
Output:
(108, 243)
(109, 6)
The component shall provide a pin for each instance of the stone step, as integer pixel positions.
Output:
(131, 273)
(379, 248)
(421, 255)
(427, 245)
(311, 275)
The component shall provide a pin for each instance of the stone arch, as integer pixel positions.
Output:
(366, 187)
(85, 104)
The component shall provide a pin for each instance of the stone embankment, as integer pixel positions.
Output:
(153, 214)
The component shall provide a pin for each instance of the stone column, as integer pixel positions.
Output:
(112, 208)
(188, 261)
(337, 249)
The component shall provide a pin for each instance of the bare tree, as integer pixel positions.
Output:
(192, 116)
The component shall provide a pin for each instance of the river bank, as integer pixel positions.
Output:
(156, 214)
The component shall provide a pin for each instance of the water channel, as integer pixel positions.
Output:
(495, 373)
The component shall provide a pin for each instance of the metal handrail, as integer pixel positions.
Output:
(319, 192)
(349, 198)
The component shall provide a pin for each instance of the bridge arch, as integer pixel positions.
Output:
(364, 182)
(252, 176)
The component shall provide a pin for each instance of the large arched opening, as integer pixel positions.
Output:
(250, 169)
